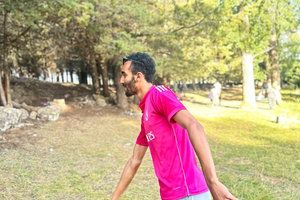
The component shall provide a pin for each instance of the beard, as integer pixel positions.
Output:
(131, 89)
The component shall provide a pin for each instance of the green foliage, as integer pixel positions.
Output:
(188, 39)
(297, 82)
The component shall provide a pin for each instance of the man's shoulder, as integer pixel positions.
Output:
(162, 92)
(161, 88)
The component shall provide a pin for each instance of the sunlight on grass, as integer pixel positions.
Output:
(255, 157)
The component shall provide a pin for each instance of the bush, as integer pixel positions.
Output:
(297, 82)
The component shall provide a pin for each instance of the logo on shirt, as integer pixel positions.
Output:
(146, 115)
(150, 136)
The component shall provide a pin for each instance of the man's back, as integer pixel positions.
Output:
(173, 155)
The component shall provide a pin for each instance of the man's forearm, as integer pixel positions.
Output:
(128, 173)
(200, 144)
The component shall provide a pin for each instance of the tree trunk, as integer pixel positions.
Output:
(50, 75)
(249, 101)
(21, 73)
(105, 80)
(5, 95)
(83, 77)
(194, 84)
(275, 65)
(7, 89)
(79, 77)
(71, 75)
(57, 77)
(103, 71)
(62, 75)
(93, 65)
(2, 93)
(45, 75)
(121, 97)
(268, 68)
(99, 62)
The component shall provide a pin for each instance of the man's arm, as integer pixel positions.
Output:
(200, 144)
(130, 169)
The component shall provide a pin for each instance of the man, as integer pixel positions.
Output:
(218, 87)
(166, 128)
(215, 97)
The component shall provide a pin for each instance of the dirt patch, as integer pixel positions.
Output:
(24, 137)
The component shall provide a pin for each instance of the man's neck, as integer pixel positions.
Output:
(143, 90)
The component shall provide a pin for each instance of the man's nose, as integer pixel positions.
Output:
(121, 80)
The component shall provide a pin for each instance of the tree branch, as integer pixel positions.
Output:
(263, 52)
(23, 33)
(183, 27)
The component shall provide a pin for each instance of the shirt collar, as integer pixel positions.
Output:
(143, 101)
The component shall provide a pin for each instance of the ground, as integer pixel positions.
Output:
(82, 155)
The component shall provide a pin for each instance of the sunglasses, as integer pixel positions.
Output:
(125, 59)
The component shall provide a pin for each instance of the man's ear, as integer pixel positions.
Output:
(139, 75)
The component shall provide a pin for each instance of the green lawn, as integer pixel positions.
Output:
(82, 155)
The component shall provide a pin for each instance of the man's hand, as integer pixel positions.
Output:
(129, 170)
(220, 192)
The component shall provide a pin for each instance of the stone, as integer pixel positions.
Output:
(59, 103)
(25, 113)
(23, 124)
(97, 96)
(100, 102)
(50, 113)
(33, 115)
(9, 117)
(74, 93)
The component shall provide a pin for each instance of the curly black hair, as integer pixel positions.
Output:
(142, 62)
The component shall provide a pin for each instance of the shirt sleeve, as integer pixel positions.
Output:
(167, 104)
(141, 139)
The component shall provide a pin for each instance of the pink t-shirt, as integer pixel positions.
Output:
(172, 153)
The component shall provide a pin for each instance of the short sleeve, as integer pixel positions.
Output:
(141, 139)
(167, 103)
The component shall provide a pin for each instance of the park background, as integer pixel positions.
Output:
(59, 48)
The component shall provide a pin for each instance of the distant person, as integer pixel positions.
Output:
(281, 84)
(265, 88)
(260, 97)
(180, 86)
(218, 87)
(181, 96)
(173, 135)
(211, 97)
(214, 97)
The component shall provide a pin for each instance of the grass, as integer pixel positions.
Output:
(82, 155)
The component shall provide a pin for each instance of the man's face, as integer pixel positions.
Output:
(128, 80)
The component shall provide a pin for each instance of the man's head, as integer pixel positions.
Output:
(137, 69)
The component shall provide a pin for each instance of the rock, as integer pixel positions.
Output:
(25, 113)
(50, 113)
(101, 102)
(74, 93)
(23, 124)
(9, 117)
(33, 115)
(59, 103)
(112, 98)
(97, 96)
